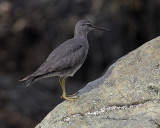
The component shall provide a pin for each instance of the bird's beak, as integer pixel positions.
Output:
(100, 28)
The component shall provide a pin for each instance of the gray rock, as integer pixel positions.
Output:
(127, 96)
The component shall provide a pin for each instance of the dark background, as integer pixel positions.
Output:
(30, 30)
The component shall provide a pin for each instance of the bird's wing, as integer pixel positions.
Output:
(67, 55)
(70, 61)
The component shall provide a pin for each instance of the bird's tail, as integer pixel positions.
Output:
(29, 80)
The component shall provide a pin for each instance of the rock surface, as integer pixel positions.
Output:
(127, 96)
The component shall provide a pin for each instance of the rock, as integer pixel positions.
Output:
(127, 96)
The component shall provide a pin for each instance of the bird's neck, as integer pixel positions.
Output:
(80, 34)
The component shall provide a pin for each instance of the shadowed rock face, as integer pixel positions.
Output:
(128, 95)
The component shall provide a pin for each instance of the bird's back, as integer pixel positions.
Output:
(67, 58)
(68, 54)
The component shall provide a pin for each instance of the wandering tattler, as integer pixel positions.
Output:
(66, 59)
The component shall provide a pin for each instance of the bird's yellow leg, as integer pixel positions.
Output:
(62, 83)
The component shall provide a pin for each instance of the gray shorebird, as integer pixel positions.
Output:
(66, 59)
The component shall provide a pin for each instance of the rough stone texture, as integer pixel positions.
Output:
(127, 96)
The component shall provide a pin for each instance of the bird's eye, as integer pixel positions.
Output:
(88, 24)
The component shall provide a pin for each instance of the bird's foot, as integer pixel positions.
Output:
(67, 98)
(70, 97)
(74, 96)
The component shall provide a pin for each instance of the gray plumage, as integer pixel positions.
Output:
(68, 57)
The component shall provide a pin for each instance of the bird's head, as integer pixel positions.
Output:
(84, 26)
